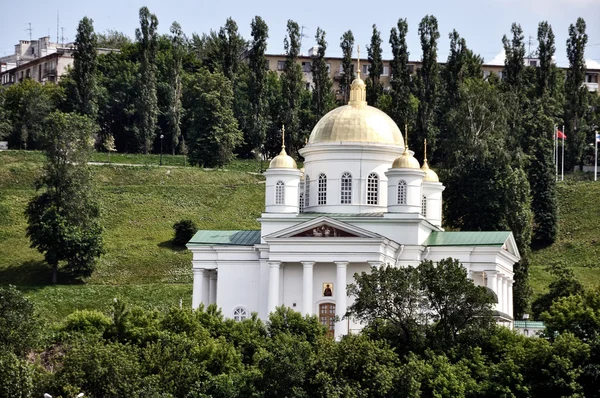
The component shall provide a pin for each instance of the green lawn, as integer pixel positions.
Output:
(141, 203)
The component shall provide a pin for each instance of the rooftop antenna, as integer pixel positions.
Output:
(62, 37)
(302, 35)
(57, 20)
(30, 31)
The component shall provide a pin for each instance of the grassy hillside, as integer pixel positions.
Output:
(140, 205)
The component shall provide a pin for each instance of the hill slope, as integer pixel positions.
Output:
(140, 205)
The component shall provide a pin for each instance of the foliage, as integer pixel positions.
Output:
(147, 101)
(175, 109)
(112, 39)
(63, 219)
(184, 231)
(347, 45)
(515, 53)
(257, 97)
(19, 326)
(17, 376)
(212, 129)
(291, 87)
(564, 285)
(84, 68)
(322, 96)
(374, 52)
(403, 107)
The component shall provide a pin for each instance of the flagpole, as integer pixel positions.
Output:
(556, 152)
(562, 172)
(596, 156)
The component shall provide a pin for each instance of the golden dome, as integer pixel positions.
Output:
(283, 160)
(406, 161)
(430, 175)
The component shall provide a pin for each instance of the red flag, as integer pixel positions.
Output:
(560, 135)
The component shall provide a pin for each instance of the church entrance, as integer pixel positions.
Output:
(327, 317)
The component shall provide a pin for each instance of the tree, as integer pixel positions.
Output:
(291, 86)
(374, 86)
(576, 95)
(515, 54)
(84, 68)
(257, 83)
(564, 284)
(546, 73)
(147, 103)
(175, 109)
(322, 96)
(19, 327)
(113, 39)
(347, 45)
(63, 220)
(212, 130)
(404, 103)
(109, 145)
(427, 86)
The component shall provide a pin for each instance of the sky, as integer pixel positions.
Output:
(482, 23)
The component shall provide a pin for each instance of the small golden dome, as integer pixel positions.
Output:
(283, 160)
(406, 161)
(430, 175)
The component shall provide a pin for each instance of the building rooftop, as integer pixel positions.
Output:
(479, 238)
(529, 324)
(227, 238)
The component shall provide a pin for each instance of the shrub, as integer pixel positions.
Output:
(184, 230)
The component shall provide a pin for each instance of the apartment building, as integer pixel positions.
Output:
(276, 63)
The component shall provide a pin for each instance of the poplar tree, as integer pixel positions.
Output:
(291, 85)
(403, 101)
(84, 68)
(147, 38)
(257, 95)
(374, 86)
(175, 110)
(515, 54)
(322, 96)
(576, 95)
(427, 87)
(546, 72)
(347, 45)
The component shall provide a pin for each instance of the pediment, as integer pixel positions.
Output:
(324, 227)
(511, 246)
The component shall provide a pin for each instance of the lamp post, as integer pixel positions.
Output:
(161, 147)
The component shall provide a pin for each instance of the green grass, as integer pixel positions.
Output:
(140, 205)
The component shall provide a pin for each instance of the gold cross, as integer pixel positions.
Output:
(283, 135)
(358, 51)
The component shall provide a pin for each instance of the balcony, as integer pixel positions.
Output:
(50, 72)
(591, 86)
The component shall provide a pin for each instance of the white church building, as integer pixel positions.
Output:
(362, 200)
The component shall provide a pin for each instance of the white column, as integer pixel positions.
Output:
(341, 327)
(510, 297)
(273, 299)
(500, 292)
(213, 288)
(469, 274)
(307, 287)
(205, 288)
(197, 292)
(505, 295)
(492, 283)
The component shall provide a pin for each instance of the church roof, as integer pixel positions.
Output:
(229, 238)
(529, 324)
(464, 238)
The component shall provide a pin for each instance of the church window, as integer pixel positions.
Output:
(372, 189)
(322, 189)
(307, 194)
(424, 206)
(402, 192)
(301, 203)
(279, 193)
(240, 314)
(327, 317)
(346, 189)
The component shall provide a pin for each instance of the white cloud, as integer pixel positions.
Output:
(591, 64)
(498, 59)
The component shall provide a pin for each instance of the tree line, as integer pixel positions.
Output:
(429, 332)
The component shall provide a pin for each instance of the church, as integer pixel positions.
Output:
(362, 200)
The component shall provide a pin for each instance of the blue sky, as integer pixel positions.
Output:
(482, 23)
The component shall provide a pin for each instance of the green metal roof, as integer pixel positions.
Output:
(529, 324)
(235, 238)
(480, 238)
(335, 215)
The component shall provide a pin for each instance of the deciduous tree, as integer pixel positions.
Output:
(374, 86)
(322, 96)
(347, 45)
(84, 68)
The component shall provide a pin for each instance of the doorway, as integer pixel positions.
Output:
(327, 317)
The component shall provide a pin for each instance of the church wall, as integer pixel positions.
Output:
(236, 286)
(291, 288)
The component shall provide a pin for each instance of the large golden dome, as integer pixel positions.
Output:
(356, 122)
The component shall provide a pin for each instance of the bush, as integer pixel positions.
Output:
(87, 322)
(184, 231)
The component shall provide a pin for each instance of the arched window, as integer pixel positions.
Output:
(346, 189)
(372, 189)
(401, 192)
(279, 197)
(307, 194)
(322, 189)
(424, 206)
(240, 314)
(301, 203)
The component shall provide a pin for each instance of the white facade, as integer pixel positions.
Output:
(349, 211)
